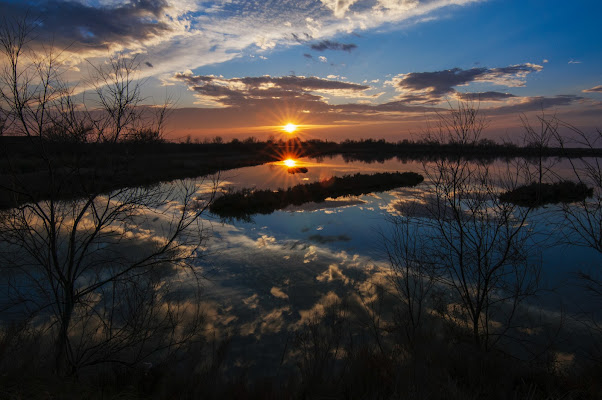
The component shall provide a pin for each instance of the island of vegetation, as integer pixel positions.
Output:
(243, 203)
(539, 194)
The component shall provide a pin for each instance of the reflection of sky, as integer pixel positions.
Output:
(333, 230)
(275, 271)
(266, 276)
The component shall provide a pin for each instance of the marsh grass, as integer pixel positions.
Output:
(243, 203)
(539, 194)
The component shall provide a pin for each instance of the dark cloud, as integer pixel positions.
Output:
(80, 27)
(484, 96)
(306, 55)
(537, 103)
(302, 38)
(331, 45)
(255, 91)
(595, 89)
(431, 87)
(302, 83)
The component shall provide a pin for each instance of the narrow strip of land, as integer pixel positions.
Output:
(243, 203)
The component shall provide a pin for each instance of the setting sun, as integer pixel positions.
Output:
(290, 162)
(290, 128)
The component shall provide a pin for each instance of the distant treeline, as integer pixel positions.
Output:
(108, 166)
(246, 202)
(375, 149)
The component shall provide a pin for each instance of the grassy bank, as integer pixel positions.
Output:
(244, 203)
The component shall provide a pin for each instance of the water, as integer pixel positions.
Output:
(269, 276)
(347, 229)
(264, 280)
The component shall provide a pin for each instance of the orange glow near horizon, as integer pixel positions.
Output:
(289, 162)
(290, 127)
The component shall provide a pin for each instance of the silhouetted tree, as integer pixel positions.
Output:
(478, 245)
(94, 270)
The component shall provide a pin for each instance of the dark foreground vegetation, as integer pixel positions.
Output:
(83, 168)
(539, 194)
(243, 203)
(351, 349)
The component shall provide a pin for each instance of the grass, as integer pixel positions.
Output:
(539, 194)
(244, 203)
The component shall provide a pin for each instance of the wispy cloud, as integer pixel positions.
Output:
(536, 103)
(338, 7)
(178, 35)
(595, 89)
(484, 96)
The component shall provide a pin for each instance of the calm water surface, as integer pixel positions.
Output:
(267, 273)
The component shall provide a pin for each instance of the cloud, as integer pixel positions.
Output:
(397, 5)
(484, 96)
(333, 273)
(432, 87)
(536, 103)
(574, 62)
(306, 55)
(278, 293)
(332, 45)
(254, 91)
(181, 34)
(338, 7)
(595, 89)
(81, 27)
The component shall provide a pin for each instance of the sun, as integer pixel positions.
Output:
(289, 162)
(290, 128)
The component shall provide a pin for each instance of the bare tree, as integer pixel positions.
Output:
(480, 245)
(117, 88)
(98, 270)
(538, 138)
(582, 223)
(76, 260)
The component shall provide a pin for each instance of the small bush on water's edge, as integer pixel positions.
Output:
(539, 194)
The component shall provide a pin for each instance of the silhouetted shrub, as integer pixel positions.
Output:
(538, 194)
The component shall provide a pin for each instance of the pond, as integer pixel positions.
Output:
(276, 285)
(268, 276)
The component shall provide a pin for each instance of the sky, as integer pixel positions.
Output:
(339, 68)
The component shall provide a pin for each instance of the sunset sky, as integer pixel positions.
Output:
(339, 68)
